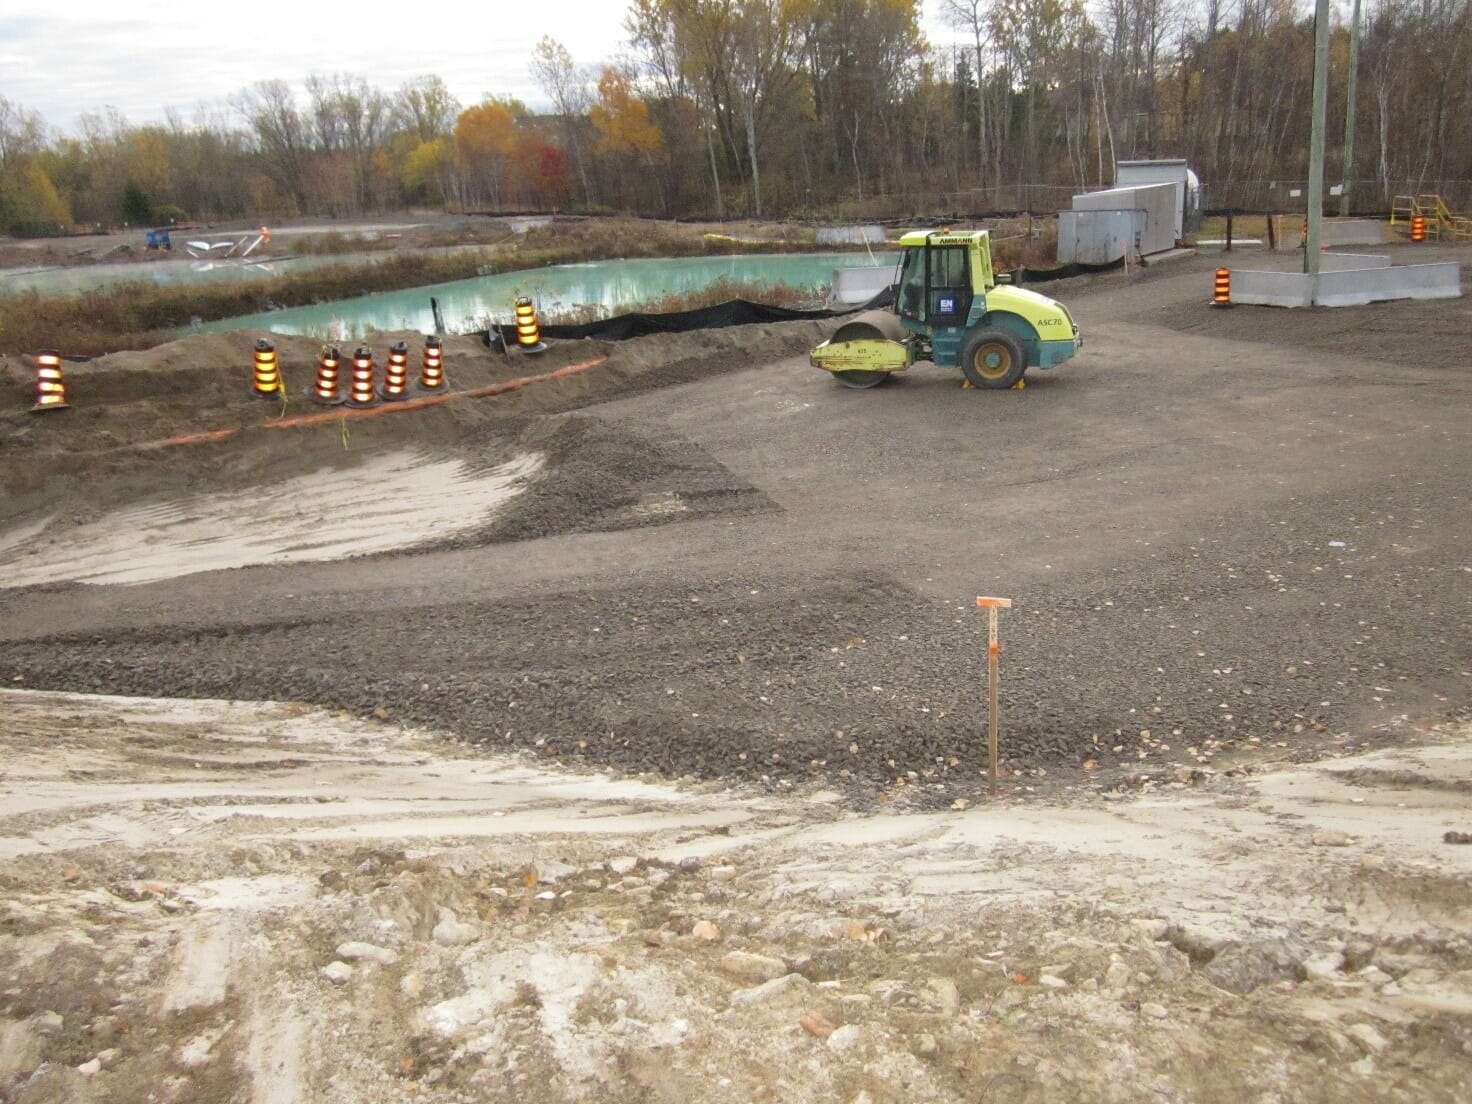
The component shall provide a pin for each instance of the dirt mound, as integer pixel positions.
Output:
(148, 427)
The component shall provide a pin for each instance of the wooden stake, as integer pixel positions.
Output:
(993, 650)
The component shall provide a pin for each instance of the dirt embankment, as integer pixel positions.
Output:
(213, 902)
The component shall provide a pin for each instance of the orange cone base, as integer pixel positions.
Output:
(388, 396)
(532, 350)
(336, 400)
(42, 408)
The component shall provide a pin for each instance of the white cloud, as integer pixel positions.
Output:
(143, 57)
(151, 56)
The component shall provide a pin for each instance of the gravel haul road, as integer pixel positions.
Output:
(1220, 529)
(613, 732)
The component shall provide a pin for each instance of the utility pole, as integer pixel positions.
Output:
(1316, 148)
(1354, 69)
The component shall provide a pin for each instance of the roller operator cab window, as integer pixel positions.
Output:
(935, 285)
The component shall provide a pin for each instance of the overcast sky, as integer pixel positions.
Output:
(63, 59)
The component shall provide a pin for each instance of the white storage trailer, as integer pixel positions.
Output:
(1145, 224)
(1131, 174)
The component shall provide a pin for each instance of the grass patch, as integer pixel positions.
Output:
(141, 315)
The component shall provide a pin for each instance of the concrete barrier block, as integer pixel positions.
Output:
(1350, 232)
(1374, 285)
(1270, 289)
(1348, 262)
(852, 286)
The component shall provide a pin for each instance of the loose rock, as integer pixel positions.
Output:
(815, 1023)
(1324, 967)
(1241, 968)
(753, 967)
(355, 951)
(452, 932)
(945, 995)
(770, 990)
(1367, 1037)
(339, 973)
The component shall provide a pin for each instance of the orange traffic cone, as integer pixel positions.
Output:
(266, 380)
(325, 391)
(528, 333)
(360, 391)
(1221, 291)
(50, 387)
(396, 374)
(432, 372)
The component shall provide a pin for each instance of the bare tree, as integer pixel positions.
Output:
(270, 109)
(567, 87)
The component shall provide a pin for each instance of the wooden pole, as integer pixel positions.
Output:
(993, 650)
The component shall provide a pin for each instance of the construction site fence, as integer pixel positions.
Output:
(1367, 197)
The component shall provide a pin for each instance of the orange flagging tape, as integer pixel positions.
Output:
(373, 411)
(435, 400)
(1000, 603)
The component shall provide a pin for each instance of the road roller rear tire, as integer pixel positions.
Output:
(993, 359)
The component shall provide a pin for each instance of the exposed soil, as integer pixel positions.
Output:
(213, 902)
(806, 611)
(1236, 541)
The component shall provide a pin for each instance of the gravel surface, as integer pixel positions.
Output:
(739, 571)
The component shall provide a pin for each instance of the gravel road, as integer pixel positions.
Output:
(1223, 530)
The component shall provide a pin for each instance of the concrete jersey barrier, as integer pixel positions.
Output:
(1349, 286)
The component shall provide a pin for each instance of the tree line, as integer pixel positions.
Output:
(836, 108)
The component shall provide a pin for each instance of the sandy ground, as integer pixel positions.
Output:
(212, 901)
(638, 750)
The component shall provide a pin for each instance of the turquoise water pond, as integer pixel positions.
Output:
(607, 286)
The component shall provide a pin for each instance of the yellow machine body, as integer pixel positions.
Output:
(949, 309)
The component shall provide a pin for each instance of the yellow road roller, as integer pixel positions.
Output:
(950, 310)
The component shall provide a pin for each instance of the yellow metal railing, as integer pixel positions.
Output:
(1438, 218)
(1441, 222)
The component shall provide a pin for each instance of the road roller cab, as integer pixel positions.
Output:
(949, 309)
